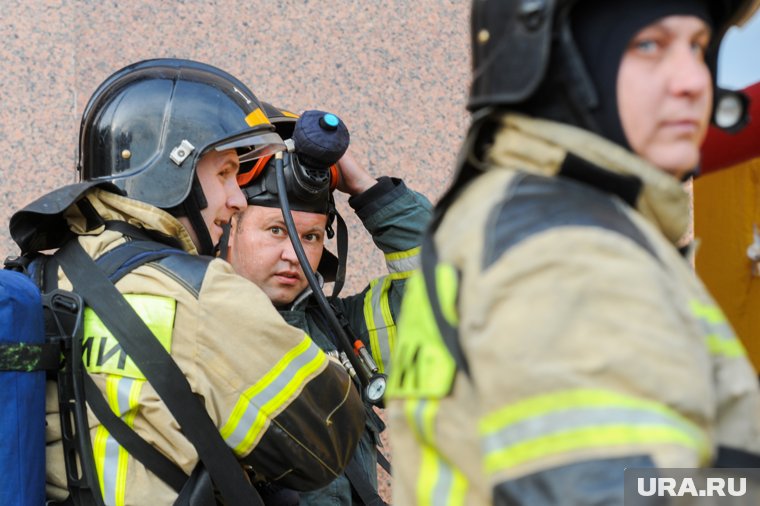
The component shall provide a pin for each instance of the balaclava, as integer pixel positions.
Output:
(603, 30)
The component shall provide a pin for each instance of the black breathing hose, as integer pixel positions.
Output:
(332, 320)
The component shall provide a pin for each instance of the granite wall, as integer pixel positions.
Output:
(396, 71)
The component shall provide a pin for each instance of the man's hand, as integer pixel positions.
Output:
(353, 178)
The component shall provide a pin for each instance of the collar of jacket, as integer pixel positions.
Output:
(299, 303)
(545, 147)
(110, 206)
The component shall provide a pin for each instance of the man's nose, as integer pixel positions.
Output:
(236, 198)
(288, 252)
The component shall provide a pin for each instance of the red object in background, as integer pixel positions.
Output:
(722, 149)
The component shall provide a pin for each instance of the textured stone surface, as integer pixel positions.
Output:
(396, 71)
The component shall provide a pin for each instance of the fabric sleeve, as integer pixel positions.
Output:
(395, 216)
(281, 404)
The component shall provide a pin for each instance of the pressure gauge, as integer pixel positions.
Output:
(375, 389)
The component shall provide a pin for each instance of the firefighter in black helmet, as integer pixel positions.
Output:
(556, 334)
(161, 143)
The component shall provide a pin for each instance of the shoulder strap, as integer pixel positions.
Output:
(115, 264)
(342, 238)
(360, 483)
(159, 368)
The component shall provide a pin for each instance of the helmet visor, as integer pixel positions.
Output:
(252, 145)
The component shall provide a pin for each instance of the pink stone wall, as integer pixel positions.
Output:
(396, 71)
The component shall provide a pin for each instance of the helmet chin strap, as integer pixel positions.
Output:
(191, 209)
(205, 245)
(223, 248)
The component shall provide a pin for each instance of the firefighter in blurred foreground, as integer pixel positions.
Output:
(556, 334)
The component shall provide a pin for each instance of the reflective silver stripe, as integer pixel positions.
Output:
(115, 461)
(261, 399)
(403, 261)
(444, 483)
(567, 420)
(419, 422)
(713, 319)
(110, 471)
(124, 388)
(439, 482)
(380, 329)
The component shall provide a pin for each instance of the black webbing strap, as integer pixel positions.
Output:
(428, 261)
(139, 343)
(342, 239)
(383, 461)
(361, 485)
(115, 263)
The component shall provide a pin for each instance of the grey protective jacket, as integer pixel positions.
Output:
(591, 345)
(395, 216)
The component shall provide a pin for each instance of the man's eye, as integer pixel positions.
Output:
(311, 237)
(229, 172)
(276, 230)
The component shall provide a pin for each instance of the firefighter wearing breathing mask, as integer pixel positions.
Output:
(556, 335)
(260, 250)
(231, 386)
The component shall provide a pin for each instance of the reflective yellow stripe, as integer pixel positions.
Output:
(422, 364)
(720, 337)
(101, 350)
(378, 317)
(261, 402)
(728, 348)
(560, 422)
(439, 482)
(256, 117)
(382, 354)
(369, 317)
(111, 459)
(403, 261)
(379, 322)
(708, 312)
(288, 114)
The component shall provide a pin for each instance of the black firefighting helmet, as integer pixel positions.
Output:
(526, 55)
(145, 128)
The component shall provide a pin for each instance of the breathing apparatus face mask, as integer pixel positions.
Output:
(308, 189)
(318, 141)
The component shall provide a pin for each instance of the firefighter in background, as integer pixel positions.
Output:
(260, 250)
(556, 335)
(170, 134)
